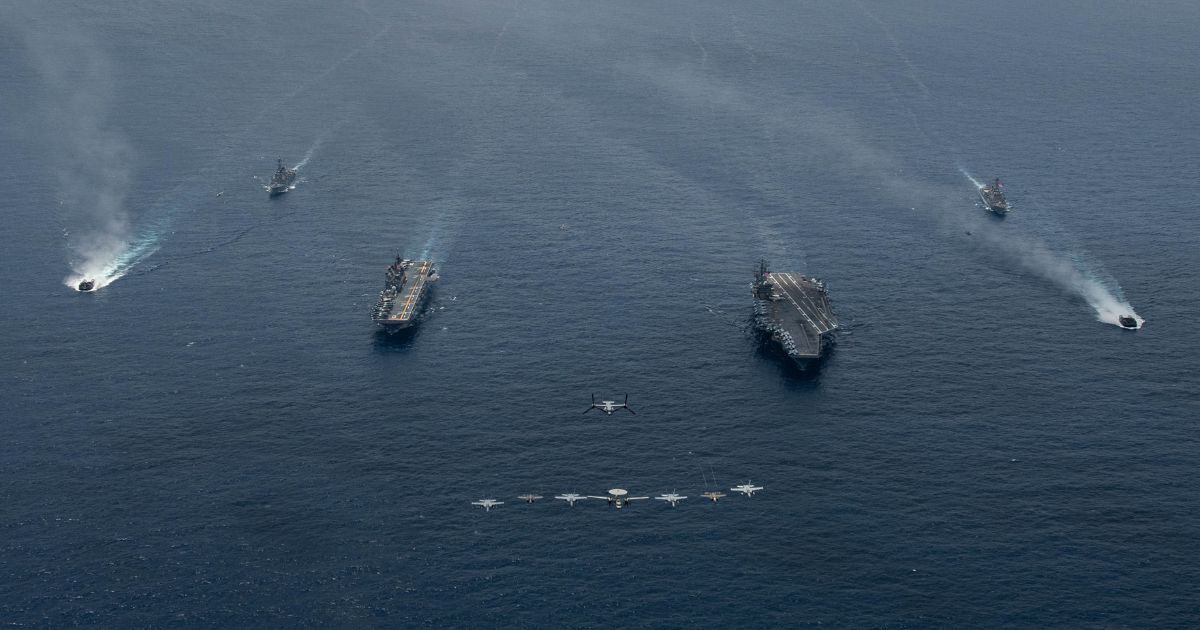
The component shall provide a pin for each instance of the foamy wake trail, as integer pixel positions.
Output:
(106, 262)
(427, 250)
(1109, 304)
(307, 156)
(316, 145)
(1072, 275)
(978, 184)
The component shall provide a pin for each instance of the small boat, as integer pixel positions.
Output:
(87, 285)
(1127, 321)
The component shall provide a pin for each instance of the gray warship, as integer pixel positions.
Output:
(993, 197)
(793, 312)
(405, 291)
(281, 181)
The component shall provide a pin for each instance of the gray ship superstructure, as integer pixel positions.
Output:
(406, 289)
(993, 197)
(793, 312)
(282, 180)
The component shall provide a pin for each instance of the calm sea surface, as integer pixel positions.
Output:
(220, 438)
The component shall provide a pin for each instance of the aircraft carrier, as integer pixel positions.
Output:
(405, 291)
(793, 312)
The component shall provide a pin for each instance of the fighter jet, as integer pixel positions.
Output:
(713, 496)
(609, 407)
(487, 504)
(618, 498)
(529, 498)
(671, 497)
(570, 498)
(747, 489)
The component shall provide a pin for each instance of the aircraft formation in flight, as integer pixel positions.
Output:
(619, 497)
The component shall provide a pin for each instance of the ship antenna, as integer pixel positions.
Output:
(762, 269)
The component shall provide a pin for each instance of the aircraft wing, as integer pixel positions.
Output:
(601, 498)
(635, 498)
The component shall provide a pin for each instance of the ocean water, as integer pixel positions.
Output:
(219, 437)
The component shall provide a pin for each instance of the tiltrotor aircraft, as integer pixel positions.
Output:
(609, 407)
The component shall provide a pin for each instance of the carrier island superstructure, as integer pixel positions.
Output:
(793, 312)
(405, 291)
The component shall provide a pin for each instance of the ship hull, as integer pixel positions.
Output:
(275, 191)
(393, 326)
(793, 316)
(774, 344)
(403, 300)
(996, 209)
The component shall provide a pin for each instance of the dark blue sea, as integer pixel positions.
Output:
(218, 436)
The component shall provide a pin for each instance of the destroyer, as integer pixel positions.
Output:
(993, 198)
(405, 291)
(281, 181)
(794, 312)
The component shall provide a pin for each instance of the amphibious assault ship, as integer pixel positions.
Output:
(993, 197)
(281, 181)
(793, 312)
(405, 291)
